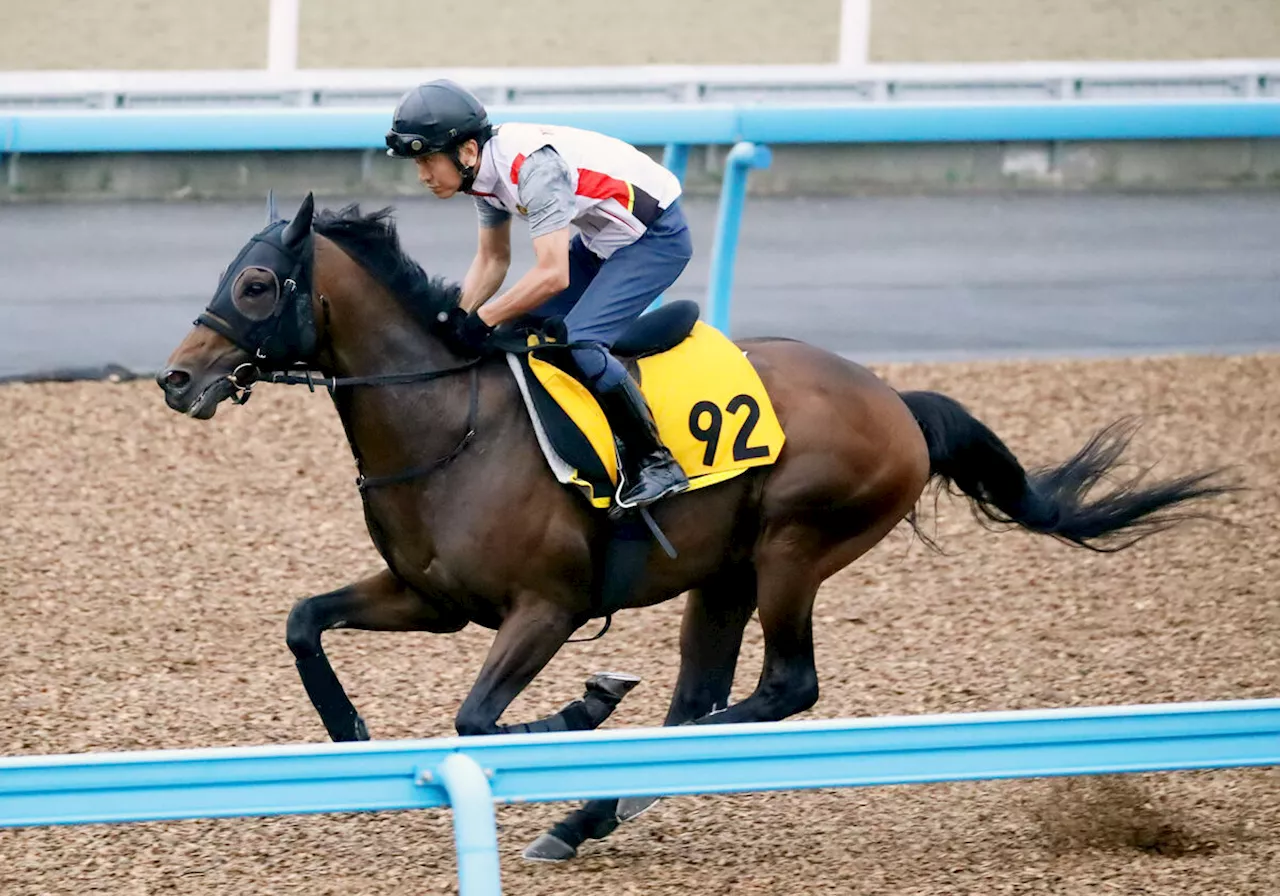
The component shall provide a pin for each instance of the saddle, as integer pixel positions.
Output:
(659, 330)
(710, 405)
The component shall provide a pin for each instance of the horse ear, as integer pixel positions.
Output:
(300, 226)
(273, 213)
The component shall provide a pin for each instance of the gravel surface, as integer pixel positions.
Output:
(147, 564)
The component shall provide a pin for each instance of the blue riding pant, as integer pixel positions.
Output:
(605, 295)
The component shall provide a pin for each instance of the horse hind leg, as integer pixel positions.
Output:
(715, 617)
(790, 565)
(792, 559)
(789, 680)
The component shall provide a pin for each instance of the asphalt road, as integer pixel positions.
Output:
(86, 284)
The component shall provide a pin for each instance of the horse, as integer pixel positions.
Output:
(445, 450)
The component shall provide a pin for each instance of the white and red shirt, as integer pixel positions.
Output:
(618, 190)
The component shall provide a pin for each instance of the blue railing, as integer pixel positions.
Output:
(207, 130)
(750, 127)
(469, 774)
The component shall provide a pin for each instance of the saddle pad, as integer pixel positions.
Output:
(711, 409)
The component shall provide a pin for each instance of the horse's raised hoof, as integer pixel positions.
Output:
(615, 684)
(549, 848)
(630, 807)
(361, 729)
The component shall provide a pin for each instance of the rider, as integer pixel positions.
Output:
(632, 242)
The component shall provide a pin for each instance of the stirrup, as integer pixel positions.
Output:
(620, 510)
(674, 489)
(622, 507)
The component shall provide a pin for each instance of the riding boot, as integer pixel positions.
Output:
(649, 470)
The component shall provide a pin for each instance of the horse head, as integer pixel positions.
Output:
(262, 317)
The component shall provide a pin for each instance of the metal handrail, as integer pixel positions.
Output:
(471, 773)
(650, 84)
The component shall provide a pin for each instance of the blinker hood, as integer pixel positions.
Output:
(278, 328)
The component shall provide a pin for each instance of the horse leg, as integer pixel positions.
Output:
(379, 603)
(528, 638)
(791, 563)
(710, 638)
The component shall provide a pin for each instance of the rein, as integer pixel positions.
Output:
(364, 483)
(333, 383)
(244, 377)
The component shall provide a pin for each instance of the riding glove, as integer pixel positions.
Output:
(472, 333)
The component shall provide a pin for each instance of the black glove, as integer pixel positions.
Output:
(472, 333)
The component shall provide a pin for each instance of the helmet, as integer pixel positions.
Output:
(436, 117)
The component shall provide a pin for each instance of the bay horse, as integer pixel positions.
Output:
(446, 450)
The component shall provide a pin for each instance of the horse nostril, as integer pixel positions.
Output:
(174, 380)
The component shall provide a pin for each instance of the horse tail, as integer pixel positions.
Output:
(965, 454)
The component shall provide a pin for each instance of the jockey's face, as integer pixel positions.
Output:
(438, 174)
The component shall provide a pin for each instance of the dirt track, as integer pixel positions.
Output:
(147, 564)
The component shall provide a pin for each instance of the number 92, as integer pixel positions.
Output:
(710, 433)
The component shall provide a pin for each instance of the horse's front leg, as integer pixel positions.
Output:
(528, 638)
(379, 603)
(715, 616)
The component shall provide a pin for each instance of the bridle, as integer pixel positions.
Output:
(244, 377)
(289, 337)
(286, 341)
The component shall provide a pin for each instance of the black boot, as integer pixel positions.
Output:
(649, 470)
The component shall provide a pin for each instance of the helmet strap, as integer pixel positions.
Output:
(468, 172)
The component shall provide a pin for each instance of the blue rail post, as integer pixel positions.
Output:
(724, 251)
(675, 158)
(475, 830)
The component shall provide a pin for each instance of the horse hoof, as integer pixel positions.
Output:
(549, 848)
(362, 730)
(616, 684)
(630, 807)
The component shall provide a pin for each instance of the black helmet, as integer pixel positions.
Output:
(436, 117)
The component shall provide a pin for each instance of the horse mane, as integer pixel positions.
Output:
(372, 242)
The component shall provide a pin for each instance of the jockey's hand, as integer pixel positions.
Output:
(472, 333)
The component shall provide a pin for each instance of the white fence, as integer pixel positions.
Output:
(1018, 82)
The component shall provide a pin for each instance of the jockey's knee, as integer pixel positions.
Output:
(599, 366)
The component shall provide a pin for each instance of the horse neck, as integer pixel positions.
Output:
(368, 331)
(390, 428)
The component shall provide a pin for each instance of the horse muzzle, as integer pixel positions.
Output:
(183, 396)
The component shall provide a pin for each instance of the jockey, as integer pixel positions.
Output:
(632, 242)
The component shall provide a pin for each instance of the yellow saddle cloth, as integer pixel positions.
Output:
(711, 409)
